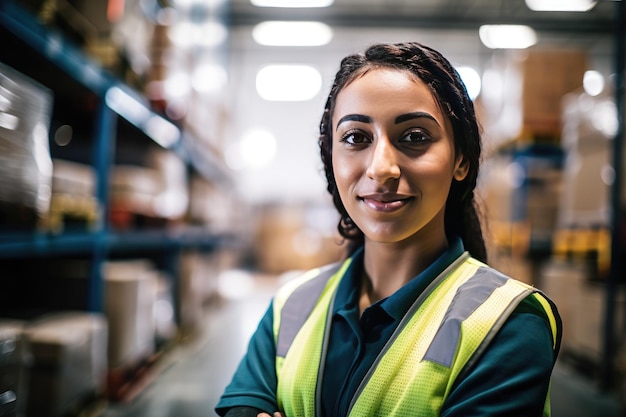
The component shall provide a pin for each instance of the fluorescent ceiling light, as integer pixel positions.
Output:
(177, 85)
(507, 36)
(278, 33)
(593, 82)
(560, 5)
(209, 78)
(256, 149)
(291, 3)
(288, 82)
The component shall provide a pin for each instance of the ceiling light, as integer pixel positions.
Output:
(604, 118)
(177, 84)
(209, 78)
(288, 82)
(291, 3)
(507, 36)
(560, 5)
(255, 149)
(593, 82)
(277, 33)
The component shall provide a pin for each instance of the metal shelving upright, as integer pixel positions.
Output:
(60, 54)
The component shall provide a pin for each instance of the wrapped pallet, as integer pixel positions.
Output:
(25, 163)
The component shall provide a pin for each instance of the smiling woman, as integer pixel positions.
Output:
(392, 156)
(413, 321)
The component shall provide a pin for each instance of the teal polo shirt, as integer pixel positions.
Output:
(511, 379)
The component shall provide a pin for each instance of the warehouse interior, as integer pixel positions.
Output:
(160, 177)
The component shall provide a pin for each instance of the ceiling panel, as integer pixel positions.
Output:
(432, 14)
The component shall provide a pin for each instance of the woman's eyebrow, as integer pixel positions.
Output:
(354, 118)
(414, 115)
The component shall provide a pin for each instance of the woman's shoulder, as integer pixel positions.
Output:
(534, 302)
(305, 280)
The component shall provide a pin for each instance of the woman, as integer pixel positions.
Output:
(412, 323)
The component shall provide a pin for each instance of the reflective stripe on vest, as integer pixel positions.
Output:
(299, 305)
(442, 334)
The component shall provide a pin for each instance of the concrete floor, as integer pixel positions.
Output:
(192, 377)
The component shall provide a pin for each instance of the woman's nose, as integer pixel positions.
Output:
(383, 164)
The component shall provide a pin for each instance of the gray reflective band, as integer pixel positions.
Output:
(299, 306)
(469, 296)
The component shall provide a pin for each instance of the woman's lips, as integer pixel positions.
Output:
(385, 204)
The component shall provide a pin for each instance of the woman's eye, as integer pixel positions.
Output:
(415, 136)
(354, 138)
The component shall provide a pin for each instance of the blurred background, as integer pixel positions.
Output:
(160, 176)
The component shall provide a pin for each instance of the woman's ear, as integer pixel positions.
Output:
(461, 167)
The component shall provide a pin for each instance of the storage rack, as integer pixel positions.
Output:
(67, 60)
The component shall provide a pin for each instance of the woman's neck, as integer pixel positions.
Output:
(387, 267)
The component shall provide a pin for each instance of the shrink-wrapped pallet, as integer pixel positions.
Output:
(25, 163)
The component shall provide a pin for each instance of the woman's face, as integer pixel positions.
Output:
(393, 156)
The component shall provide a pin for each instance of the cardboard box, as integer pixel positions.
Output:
(130, 297)
(287, 239)
(69, 362)
(548, 75)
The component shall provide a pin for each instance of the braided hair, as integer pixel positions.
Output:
(461, 215)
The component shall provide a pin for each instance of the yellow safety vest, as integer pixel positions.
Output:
(443, 333)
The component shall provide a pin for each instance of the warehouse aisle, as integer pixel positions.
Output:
(193, 376)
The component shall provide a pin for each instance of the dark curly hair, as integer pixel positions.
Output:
(461, 216)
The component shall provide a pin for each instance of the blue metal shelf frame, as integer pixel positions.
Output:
(100, 242)
(38, 244)
(52, 45)
(614, 283)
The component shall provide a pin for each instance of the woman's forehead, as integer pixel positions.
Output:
(385, 88)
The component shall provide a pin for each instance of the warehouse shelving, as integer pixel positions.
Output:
(43, 244)
(66, 69)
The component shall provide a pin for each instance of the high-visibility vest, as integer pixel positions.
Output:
(443, 333)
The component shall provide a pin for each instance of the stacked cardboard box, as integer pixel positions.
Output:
(290, 238)
(69, 362)
(73, 204)
(548, 75)
(130, 297)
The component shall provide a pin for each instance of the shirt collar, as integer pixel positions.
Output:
(397, 304)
